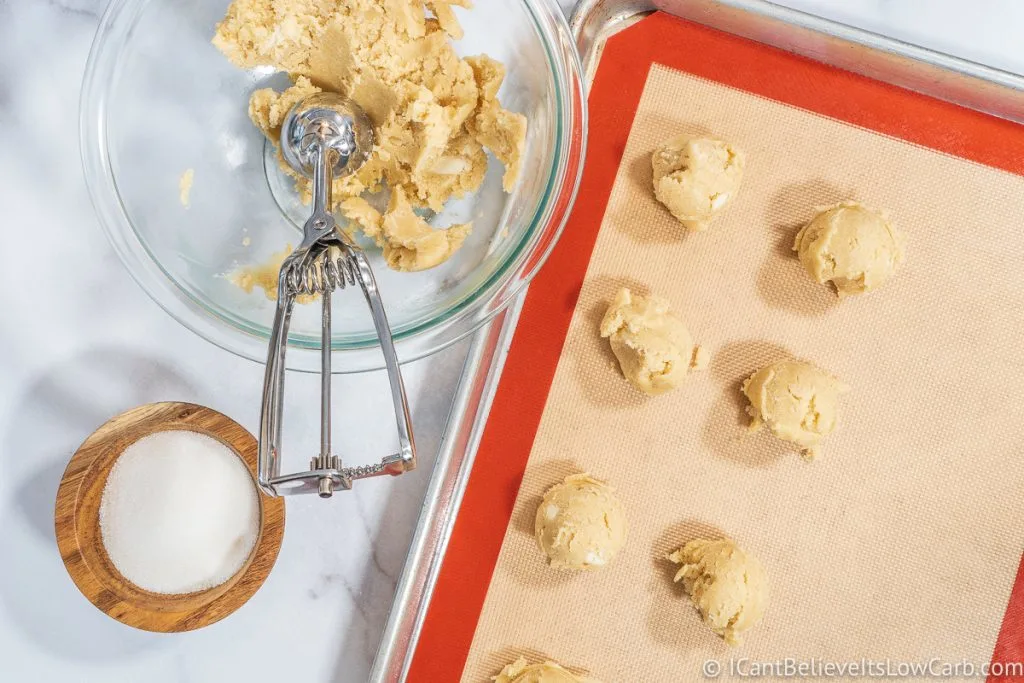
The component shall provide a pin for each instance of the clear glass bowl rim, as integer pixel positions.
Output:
(460, 320)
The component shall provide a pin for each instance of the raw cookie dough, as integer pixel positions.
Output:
(434, 113)
(695, 178)
(408, 241)
(265, 276)
(580, 524)
(185, 187)
(851, 246)
(798, 402)
(727, 585)
(262, 276)
(548, 672)
(654, 348)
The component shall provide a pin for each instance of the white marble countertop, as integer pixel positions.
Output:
(79, 342)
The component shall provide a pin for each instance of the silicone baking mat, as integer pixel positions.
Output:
(903, 541)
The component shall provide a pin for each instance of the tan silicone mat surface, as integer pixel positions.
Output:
(903, 539)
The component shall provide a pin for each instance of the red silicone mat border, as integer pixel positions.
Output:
(479, 530)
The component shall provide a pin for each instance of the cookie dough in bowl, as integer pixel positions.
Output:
(433, 112)
(696, 178)
(851, 246)
(798, 401)
(726, 584)
(520, 671)
(580, 524)
(442, 132)
(653, 346)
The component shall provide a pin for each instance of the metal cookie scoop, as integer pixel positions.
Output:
(322, 137)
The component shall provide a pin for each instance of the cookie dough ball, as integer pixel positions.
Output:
(548, 672)
(851, 246)
(695, 178)
(654, 348)
(798, 401)
(580, 524)
(726, 584)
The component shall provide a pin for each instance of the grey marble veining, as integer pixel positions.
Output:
(80, 342)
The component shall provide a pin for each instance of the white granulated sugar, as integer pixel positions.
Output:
(179, 513)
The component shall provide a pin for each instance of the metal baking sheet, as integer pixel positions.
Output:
(937, 75)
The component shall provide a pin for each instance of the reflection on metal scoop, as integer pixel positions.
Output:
(330, 121)
(325, 136)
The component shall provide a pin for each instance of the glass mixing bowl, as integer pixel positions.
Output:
(159, 99)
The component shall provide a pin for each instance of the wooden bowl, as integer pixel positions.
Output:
(77, 522)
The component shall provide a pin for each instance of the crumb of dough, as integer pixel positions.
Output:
(246, 241)
(653, 347)
(185, 187)
(727, 585)
(851, 246)
(261, 276)
(798, 401)
(520, 671)
(696, 178)
(408, 241)
(434, 113)
(264, 276)
(580, 524)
